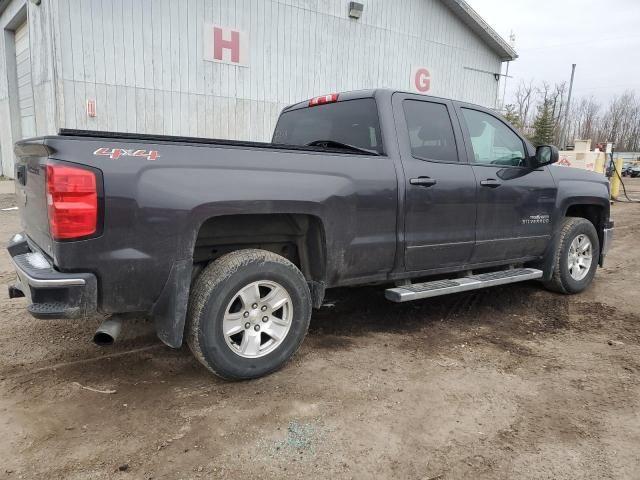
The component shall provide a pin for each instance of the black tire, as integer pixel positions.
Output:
(211, 295)
(562, 281)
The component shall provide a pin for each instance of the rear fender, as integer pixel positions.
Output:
(170, 310)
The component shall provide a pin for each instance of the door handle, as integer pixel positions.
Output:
(423, 181)
(490, 182)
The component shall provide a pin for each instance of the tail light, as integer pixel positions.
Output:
(72, 201)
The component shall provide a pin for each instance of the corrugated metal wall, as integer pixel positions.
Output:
(42, 65)
(142, 61)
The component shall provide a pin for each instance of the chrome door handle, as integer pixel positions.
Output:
(423, 181)
(490, 182)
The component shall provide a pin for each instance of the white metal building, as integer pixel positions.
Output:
(225, 68)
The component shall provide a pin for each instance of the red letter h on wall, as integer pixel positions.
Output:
(220, 44)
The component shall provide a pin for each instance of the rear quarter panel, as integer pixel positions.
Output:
(154, 208)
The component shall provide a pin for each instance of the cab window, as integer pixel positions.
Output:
(350, 122)
(492, 141)
(430, 131)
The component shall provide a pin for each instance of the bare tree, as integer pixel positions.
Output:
(556, 100)
(583, 119)
(590, 119)
(543, 90)
(618, 121)
(524, 98)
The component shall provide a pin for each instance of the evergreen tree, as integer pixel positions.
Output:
(543, 126)
(512, 116)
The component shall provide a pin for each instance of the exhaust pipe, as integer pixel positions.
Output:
(108, 331)
(15, 291)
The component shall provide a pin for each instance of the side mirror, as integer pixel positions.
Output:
(545, 155)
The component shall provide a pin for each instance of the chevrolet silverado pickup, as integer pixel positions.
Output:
(229, 245)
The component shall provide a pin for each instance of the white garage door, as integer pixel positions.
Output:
(25, 88)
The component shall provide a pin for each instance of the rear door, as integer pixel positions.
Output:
(440, 188)
(514, 202)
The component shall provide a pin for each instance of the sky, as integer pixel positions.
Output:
(601, 36)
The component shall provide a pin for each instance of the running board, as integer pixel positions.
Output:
(435, 288)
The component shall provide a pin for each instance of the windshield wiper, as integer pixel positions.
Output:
(339, 145)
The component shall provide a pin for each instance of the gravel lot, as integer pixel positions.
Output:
(511, 382)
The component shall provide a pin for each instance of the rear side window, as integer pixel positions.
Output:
(351, 122)
(430, 131)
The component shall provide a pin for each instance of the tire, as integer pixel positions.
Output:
(216, 303)
(568, 277)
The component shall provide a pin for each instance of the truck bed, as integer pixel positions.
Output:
(166, 139)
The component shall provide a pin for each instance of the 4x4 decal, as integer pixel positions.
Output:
(116, 153)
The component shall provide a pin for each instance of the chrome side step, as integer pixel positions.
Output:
(435, 288)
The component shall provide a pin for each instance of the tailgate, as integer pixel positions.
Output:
(31, 179)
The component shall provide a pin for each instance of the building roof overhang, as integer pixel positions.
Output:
(476, 23)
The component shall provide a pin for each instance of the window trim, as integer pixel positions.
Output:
(470, 152)
(459, 161)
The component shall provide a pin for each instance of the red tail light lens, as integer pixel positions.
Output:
(72, 201)
(332, 97)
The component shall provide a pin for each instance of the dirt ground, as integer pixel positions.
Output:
(510, 382)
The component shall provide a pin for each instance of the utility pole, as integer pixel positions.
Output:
(512, 43)
(566, 112)
(504, 93)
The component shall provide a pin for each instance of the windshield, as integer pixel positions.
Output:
(350, 123)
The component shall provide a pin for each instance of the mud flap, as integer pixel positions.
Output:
(548, 262)
(317, 293)
(170, 311)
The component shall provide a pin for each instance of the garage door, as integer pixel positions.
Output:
(25, 88)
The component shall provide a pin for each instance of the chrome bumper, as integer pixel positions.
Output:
(607, 237)
(28, 265)
(51, 293)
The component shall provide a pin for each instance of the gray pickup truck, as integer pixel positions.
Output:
(229, 245)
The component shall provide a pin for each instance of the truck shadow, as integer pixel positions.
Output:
(357, 311)
(504, 316)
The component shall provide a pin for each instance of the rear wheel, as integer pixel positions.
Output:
(248, 313)
(576, 256)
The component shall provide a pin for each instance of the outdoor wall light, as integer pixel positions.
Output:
(355, 9)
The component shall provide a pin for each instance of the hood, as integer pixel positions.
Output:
(569, 173)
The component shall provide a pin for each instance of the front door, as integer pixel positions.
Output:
(514, 202)
(440, 188)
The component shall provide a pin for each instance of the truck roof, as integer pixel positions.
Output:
(364, 93)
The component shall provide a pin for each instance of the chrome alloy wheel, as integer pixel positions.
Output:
(257, 319)
(580, 257)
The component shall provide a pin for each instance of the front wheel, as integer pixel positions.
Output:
(249, 311)
(576, 256)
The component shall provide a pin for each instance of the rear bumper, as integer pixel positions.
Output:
(52, 294)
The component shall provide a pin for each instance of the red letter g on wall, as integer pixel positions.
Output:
(422, 80)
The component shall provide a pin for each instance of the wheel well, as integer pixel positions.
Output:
(299, 238)
(593, 213)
